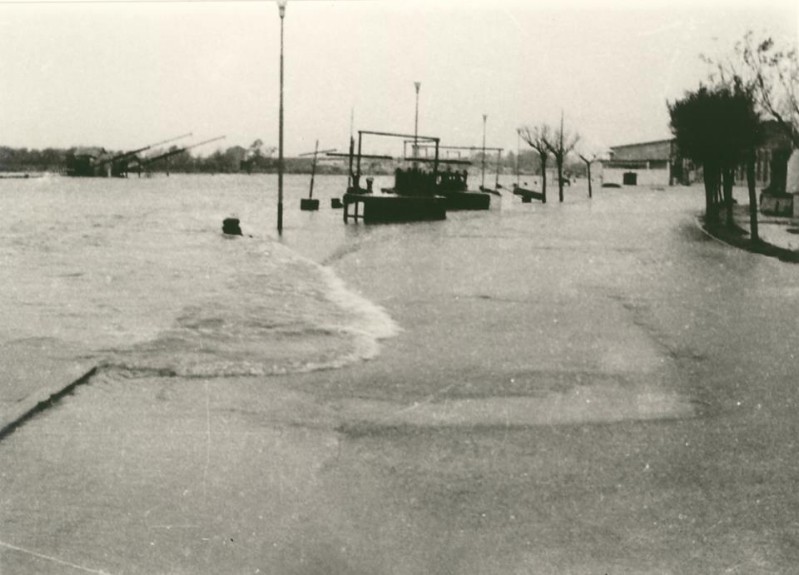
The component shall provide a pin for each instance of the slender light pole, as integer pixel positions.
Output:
(518, 137)
(485, 116)
(281, 6)
(416, 122)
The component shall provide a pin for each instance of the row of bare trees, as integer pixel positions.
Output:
(556, 143)
(718, 126)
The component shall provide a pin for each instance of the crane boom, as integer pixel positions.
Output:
(124, 155)
(179, 150)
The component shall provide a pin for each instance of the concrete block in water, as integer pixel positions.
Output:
(309, 204)
(230, 226)
(392, 208)
(468, 200)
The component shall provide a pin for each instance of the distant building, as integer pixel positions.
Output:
(659, 163)
(654, 163)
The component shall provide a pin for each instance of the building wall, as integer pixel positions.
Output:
(653, 177)
(647, 159)
(651, 162)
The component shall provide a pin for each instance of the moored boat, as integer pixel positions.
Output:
(425, 187)
(413, 197)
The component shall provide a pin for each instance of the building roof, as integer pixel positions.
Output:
(638, 144)
(656, 150)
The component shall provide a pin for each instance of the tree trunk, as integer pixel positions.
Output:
(544, 178)
(753, 205)
(588, 167)
(711, 190)
(559, 162)
(728, 175)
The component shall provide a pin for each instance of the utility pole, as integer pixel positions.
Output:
(416, 122)
(482, 185)
(560, 163)
(281, 5)
(518, 137)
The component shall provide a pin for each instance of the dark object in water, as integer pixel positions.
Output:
(373, 208)
(309, 204)
(529, 195)
(489, 191)
(230, 226)
(335, 203)
(611, 185)
(468, 200)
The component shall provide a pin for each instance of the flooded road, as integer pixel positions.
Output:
(592, 387)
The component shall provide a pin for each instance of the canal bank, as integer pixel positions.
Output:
(779, 236)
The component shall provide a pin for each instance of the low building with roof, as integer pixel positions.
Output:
(655, 164)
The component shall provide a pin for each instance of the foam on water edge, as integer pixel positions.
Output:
(282, 314)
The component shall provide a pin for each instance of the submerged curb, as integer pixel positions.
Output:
(761, 248)
(25, 411)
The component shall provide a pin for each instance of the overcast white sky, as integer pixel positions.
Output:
(127, 74)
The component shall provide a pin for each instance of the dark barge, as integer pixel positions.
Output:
(422, 191)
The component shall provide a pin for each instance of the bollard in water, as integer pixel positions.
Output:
(309, 204)
(230, 226)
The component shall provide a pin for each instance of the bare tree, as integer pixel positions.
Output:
(560, 145)
(537, 137)
(588, 159)
(773, 74)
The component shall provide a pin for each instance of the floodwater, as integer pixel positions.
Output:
(587, 387)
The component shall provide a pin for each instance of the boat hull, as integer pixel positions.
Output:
(372, 209)
(468, 201)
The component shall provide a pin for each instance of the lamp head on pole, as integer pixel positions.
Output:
(281, 6)
(418, 85)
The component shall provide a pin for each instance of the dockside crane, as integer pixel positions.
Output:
(143, 163)
(96, 162)
(120, 162)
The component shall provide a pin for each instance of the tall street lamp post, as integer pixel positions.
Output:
(281, 6)
(485, 116)
(416, 122)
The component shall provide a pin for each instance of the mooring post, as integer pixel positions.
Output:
(435, 163)
(357, 182)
